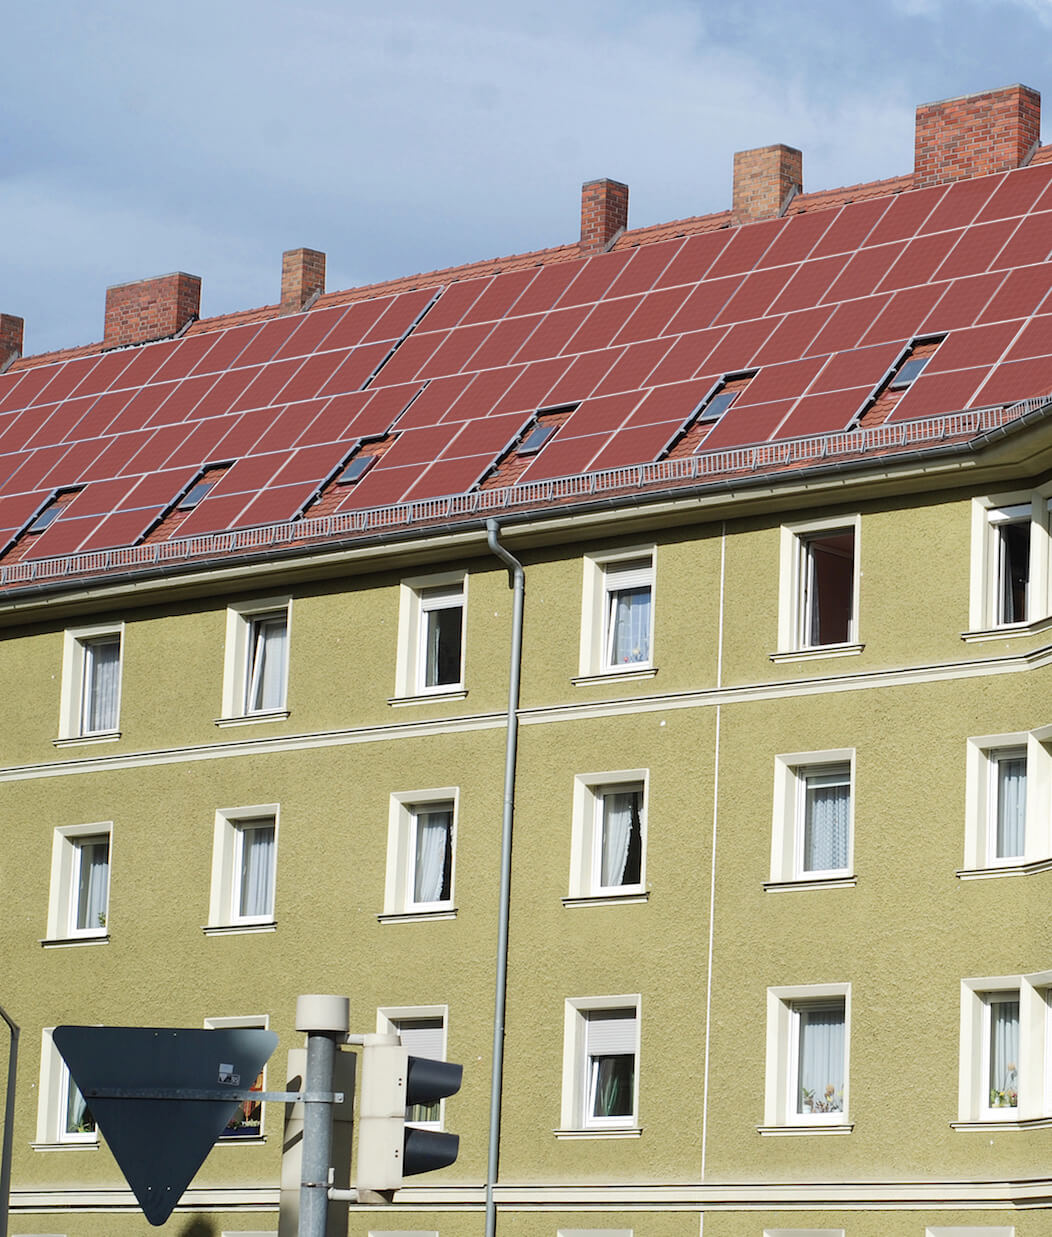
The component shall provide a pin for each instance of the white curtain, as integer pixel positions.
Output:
(630, 625)
(94, 884)
(430, 878)
(827, 812)
(102, 662)
(820, 1080)
(1004, 1053)
(620, 818)
(1011, 807)
(266, 687)
(257, 869)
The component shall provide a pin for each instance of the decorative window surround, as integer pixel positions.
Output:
(244, 866)
(423, 1030)
(432, 638)
(421, 855)
(249, 1130)
(63, 1119)
(998, 810)
(78, 906)
(617, 615)
(92, 660)
(256, 662)
(600, 1096)
(795, 1016)
(818, 589)
(814, 815)
(1010, 554)
(608, 837)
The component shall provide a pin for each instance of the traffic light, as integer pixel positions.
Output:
(392, 1083)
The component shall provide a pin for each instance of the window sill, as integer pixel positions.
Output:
(251, 719)
(779, 1131)
(629, 674)
(608, 899)
(85, 740)
(65, 942)
(815, 882)
(992, 1125)
(1025, 867)
(449, 912)
(241, 1140)
(626, 1131)
(86, 1145)
(1007, 631)
(819, 651)
(237, 929)
(446, 694)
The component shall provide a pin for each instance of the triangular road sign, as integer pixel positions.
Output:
(160, 1143)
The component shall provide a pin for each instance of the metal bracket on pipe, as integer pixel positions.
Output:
(233, 1094)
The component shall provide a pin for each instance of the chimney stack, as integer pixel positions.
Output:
(765, 181)
(302, 278)
(976, 135)
(149, 309)
(11, 329)
(604, 213)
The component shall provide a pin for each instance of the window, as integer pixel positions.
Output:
(819, 586)
(194, 495)
(247, 1122)
(618, 614)
(420, 853)
(91, 683)
(1008, 811)
(255, 682)
(608, 844)
(431, 637)
(62, 1114)
(1010, 561)
(600, 1083)
(243, 868)
(812, 838)
(356, 469)
(1006, 1059)
(908, 373)
(718, 405)
(536, 438)
(423, 1032)
(80, 883)
(807, 1057)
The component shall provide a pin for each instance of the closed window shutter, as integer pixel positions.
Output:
(424, 1037)
(610, 1032)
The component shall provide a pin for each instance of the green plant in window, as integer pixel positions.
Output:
(831, 1100)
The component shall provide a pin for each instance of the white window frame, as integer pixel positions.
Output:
(224, 913)
(970, 1230)
(587, 837)
(791, 770)
(1034, 1067)
(389, 1021)
(604, 575)
(989, 515)
(66, 878)
(241, 618)
(983, 755)
(576, 1070)
(76, 664)
(55, 1082)
(594, 1232)
(255, 1022)
(784, 1005)
(803, 1232)
(794, 597)
(405, 807)
(417, 597)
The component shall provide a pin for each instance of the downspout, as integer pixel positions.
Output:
(9, 1123)
(517, 581)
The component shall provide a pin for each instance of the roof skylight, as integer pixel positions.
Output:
(536, 439)
(356, 469)
(194, 495)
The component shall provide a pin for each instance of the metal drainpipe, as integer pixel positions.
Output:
(9, 1121)
(518, 583)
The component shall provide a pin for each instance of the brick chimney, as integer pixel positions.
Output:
(151, 308)
(10, 339)
(975, 135)
(765, 182)
(302, 278)
(604, 213)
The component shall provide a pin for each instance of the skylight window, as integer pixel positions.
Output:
(356, 469)
(717, 406)
(536, 439)
(194, 495)
(46, 518)
(908, 373)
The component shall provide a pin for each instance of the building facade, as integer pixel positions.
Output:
(778, 958)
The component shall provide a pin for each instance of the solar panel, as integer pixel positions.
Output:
(702, 305)
(25, 390)
(249, 474)
(746, 247)
(978, 250)
(533, 383)
(934, 393)
(330, 422)
(563, 457)
(220, 398)
(644, 267)
(456, 299)
(799, 236)
(356, 323)
(808, 284)
(158, 489)
(498, 299)
(961, 203)
(906, 311)
(595, 275)
(785, 381)
(146, 363)
(310, 335)
(201, 446)
(35, 466)
(694, 260)
(605, 413)
(379, 487)
(545, 290)
(212, 515)
(864, 271)
(183, 399)
(652, 315)
(62, 424)
(268, 339)
(1035, 339)
(400, 315)
(355, 370)
(640, 445)
(1017, 193)
(737, 348)
(1022, 292)
(636, 363)
(920, 259)
(122, 528)
(504, 342)
(405, 365)
(313, 374)
(310, 465)
(906, 214)
(435, 401)
(675, 402)
(261, 391)
(583, 376)
(687, 356)
(861, 367)
(961, 303)
(105, 373)
(1031, 242)
(977, 345)
(63, 380)
(275, 505)
(823, 414)
(487, 435)
(552, 335)
(9, 386)
(792, 337)
(157, 449)
(602, 324)
(1017, 380)
(450, 477)
(454, 352)
(755, 295)
(419, 446)
(755, 423)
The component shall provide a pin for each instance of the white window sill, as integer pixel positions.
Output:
(86, 1145)
(447, 912)
(609, 899)
(780, 1131)
(1007, 631)
(819, 651)
(64, 942)
(993, 1125)
(236, 929)
(628, 674)
(85, 740)
(251, 719)
(1022, 867)
(811, 882)
(453, 693)
(240, 1140)
(620, 1131)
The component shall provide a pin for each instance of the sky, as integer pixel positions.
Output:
(210, 135)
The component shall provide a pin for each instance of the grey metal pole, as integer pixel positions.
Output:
(325, 1019)
(9, 1122)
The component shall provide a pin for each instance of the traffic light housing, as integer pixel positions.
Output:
(389, 1149)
